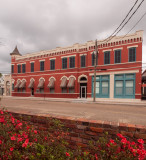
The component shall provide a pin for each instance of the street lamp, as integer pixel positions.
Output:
(95, 64)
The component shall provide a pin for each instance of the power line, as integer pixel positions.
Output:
(131, 16)
(135, 24)
(124, 19)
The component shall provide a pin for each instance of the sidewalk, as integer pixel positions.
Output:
(88, 100)
(120, 112)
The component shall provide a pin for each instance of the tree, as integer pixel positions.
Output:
(0, 75)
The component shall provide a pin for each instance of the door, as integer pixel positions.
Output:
(83, 91)
(32, 91)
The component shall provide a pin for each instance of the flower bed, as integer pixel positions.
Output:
(22, 140)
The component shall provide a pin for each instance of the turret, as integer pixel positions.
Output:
(15, 52)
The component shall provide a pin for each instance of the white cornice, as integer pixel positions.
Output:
(132, 46)
(89, 45)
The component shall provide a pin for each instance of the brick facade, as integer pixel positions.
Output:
(125, 67)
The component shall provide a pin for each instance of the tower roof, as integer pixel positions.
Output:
(15, 52)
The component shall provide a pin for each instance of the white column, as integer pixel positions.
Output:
(111, 85)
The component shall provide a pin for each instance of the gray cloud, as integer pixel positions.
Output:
(36, 25)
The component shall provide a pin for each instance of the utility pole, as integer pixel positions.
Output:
(95, 64)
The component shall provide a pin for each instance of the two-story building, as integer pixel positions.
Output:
(67, 72)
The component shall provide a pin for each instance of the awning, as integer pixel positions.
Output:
(63, 82)
(71, 82)
(31, 84)
(51, 83)
(143, 85)
(18, 84)
(41, 84)
(22, 85)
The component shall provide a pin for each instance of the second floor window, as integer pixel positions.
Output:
(19, 68)
(23, 68)
(64, 63)
(32, 67)
(52, 64)
(93, 56)
(132, 54)
(83, 61)
(12, 68)
(107, 57)
(72, 62)
(41, 65)
(117, 56)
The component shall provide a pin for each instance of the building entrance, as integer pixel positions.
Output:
(83, 91)
(32, 91)
(83, 87)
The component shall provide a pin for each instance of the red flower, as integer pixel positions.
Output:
(18, 121)
(20, 139)
(25, 136)
(13, 120)
(132, 143)
(25, 143)
(140, 141)
(96, 157)
(35, 131)
(19, 135)
(19, 124)
(11, 149)
(67, 154)
(27, 127)
(124, 140)
(27, 140)
(2, 112)
(2, 120)
(30, 143)
(112, 141)
(119, 135)
(13, 138)
(0, 142)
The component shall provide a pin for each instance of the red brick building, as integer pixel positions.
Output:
(67, 72)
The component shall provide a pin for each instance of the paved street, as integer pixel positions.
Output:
(134, 114)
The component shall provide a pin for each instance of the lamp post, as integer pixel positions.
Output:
(95, 64)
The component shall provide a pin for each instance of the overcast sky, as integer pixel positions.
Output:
(35, 25)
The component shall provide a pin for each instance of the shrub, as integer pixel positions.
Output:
(21, 140)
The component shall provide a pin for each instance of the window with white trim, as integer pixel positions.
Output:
(42, 65)
(83, 61)
(23, 68)
(132, 54)
(72, 62)
(52, 64)
(19, 68)
(117, 56)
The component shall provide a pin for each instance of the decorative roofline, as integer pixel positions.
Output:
(89, 45)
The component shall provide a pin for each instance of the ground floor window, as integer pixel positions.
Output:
(52, 90)
(64, 90)
(41, 90)
(71, 90)
(101, 87)
(23, 89)
(18, 90)
(124, 86)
